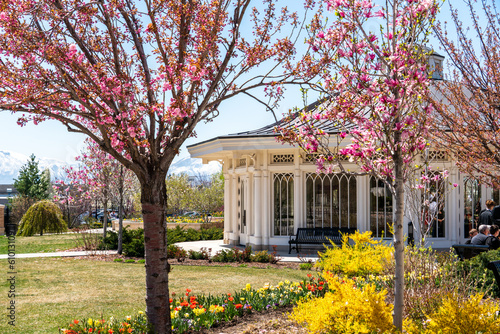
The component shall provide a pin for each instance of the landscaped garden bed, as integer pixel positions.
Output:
(438, 291)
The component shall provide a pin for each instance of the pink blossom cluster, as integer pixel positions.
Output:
(377, 85)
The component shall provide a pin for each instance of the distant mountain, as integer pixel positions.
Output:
(11, 163)
(194, 167)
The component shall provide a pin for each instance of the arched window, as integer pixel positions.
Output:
(437, 206)
(381, 208)
(283, 204)
(331, 200)
(472, 204)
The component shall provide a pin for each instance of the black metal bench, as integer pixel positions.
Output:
(317, 236)
(468, 251)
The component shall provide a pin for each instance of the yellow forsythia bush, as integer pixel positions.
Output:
(346, 309)
(365, 256)
(463, 315)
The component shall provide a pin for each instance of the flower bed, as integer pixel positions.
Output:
(131, 324)
(191, 312)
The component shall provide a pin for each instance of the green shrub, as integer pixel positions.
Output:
(224, 255)
(129, 261)
(233, 255)
(262, 256)
(135, 248)
(141, 261)
(176, 252)
(201, 255)
(212, 233)
(43, 216)
(133, 242)
(179, 234)
(118, 260)
(482, 277)
(305, 266)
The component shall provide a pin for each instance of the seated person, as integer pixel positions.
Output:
(480, 238)
(472, 234)
(492, 240)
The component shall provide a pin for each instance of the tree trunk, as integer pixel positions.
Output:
(105, 218)
(399, 241)
(154, 203)
(120, 213)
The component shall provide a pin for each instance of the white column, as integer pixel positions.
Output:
(249, 207)
(234, 235)
(298, 202)
(257, 207)
(454, 213)
(227, 207)
(363, 200)
(266, 208)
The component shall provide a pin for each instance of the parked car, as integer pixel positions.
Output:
(100, 215)
(191, 214)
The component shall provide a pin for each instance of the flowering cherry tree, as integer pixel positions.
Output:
(138, 76)
(375, 92)
(98, 176)
(469, 118)
(72, 196)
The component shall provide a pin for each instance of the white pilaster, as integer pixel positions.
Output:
(234, 235)
(298, 202)
(250, 207)
(228, 208)
(363, 200)
(455, 220)
(266, 207)
(257, 208)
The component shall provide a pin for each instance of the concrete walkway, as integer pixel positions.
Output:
(213, 245)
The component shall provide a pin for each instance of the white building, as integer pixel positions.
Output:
(272, 189)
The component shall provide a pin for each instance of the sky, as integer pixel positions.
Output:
(50, 139)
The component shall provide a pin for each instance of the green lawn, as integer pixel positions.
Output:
(37, 244)
(51, 292)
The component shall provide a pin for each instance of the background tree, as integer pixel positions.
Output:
(137, 77)
(99, 176)
(43, 216)
(375, 92)
(208, 197)
(32, 185)
(179, 192)
(72, 197)
(469, 116)
(93, 178)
